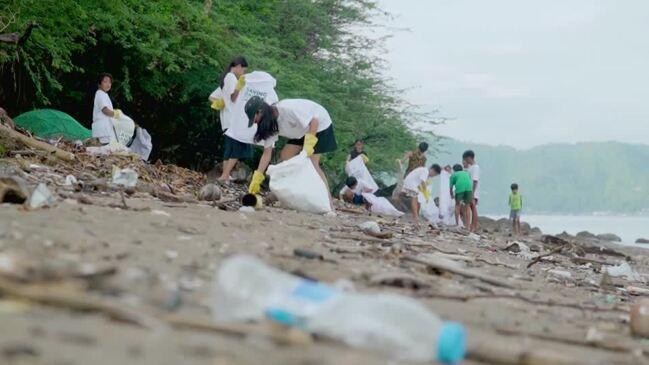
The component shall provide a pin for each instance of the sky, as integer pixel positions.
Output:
(524, 73)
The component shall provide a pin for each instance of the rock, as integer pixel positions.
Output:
(535, 248)
(609, 237)
(210, 192)
(642, 240)
(586, 235)
(370, 226)
(13, 190)
(242, 173)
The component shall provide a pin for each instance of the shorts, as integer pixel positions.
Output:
(235, 149)
(515, 214)
(326, 141)
(358, 199)
(464, 197)
(410, 193)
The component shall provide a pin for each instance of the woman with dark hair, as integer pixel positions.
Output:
(102, 126)
(358, 150)
(305, 123)
(230, 84)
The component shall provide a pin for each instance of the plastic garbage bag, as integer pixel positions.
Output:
(125, 177)
(41, 197)
(142, 144)
(381, 205)
(297, 185)
(357, 169)
(124, 128)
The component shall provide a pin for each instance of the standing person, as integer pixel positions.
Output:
(307, 124)
(416, 158)
(468, 158)
(102, 111)
(515, 205)
(235, 148)
(461, 181)
(358, 150)
(416, 182)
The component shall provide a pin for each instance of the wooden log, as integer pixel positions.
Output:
(33, 143)
(444, 266)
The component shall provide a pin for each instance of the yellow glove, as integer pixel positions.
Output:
(255, 183)
(365, 158)
(117, 114)
(241, 82)
(260, 202)
(426, 193)
(310, 141)
(218, 104)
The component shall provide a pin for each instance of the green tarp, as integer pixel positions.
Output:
(50, 123)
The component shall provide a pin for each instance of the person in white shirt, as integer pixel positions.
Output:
(468, 157)
(235, 147)
(414, 183)
(102, 112)
(353, 191)
(305, 123)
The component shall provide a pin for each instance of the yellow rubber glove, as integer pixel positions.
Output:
(117, 114)
(310, 141)
(218, 104)
(365, 158)
(241, 82)
(260, 202)
(255, 183)
(426, 193)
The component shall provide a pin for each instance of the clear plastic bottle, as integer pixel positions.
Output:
(247, 289)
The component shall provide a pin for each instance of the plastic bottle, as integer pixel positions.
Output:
(247, 289)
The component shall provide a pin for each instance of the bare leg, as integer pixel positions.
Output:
(228, 165)
(518, 226)
(467, 216)
(414, 206)
(474, 217)
(289, 151)
(457, 213)
(315, 159)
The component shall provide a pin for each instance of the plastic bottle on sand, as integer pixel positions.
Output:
(247, 289)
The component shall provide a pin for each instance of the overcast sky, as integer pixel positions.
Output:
(525, 73)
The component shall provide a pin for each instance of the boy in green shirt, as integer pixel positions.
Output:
(516, 205)
(463, 184)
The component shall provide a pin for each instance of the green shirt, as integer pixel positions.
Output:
(516, 201)
(462, 182)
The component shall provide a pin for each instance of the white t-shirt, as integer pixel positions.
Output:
(228, 113)
(361, 187)
(102, 126)
(415, 178)
(474, 171)
(294, 118)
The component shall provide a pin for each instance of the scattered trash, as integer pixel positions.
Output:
(562, 274)
(160, 212)
(70, 180)
(307, 254)
(640, 318)
(247, 210)
(170, 254)
(210, 192)
(247, 289)
(474, 237)
(41, 197)
(634, 290)
(622, 270)
(125, 177)
(370, 226)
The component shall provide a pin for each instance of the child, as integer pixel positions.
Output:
(516, 205)
(461, 181)
(353, 190)
(474, 170)
(415, 182)
(358, 150)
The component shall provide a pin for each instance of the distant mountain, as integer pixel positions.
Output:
(580, 178)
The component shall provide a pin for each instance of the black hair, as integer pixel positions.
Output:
(514, 186)
(437, 168)
(267, 126)
(423, 147)
(457, 167)
(359, 140)
(102, 76)
(237, 61)
(351, 181)
(468, 154)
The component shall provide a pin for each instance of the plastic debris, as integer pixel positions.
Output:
(125, 177)
(560, 274)
(41, 197)
(370, 226)
(247, 210)
(70, 180)
(622, 270)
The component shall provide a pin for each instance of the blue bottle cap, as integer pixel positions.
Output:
(281, 316)
(451, 344)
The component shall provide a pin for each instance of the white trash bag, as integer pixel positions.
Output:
(124, 128)
(297, 185)
(357, 169)
(382, 206)
(142, 144)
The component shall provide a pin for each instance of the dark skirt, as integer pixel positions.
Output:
(235, 149)
(326, 141)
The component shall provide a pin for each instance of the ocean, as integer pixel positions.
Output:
(629, 228)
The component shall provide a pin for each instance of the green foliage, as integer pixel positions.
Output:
(167, 55)
(561, 178)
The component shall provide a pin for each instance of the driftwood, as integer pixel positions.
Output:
(382, 235)
(540, 257)
(33, 143)
(361, 238)
(444, 266)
